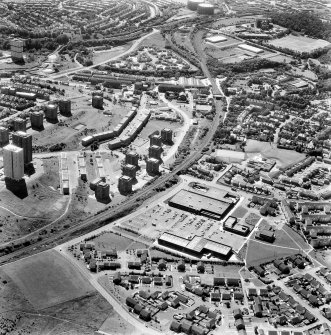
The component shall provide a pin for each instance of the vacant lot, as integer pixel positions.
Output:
(299, 43)
(283, 157)
(47, 279)
(108, 241)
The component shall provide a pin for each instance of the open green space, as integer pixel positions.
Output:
(110, 240)
(299, 43)
(260, 252)
(47, 279)
(269, 150)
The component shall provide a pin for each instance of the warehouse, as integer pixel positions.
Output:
(216, 39)
(197, 246)
(250, 48)
(201, 204)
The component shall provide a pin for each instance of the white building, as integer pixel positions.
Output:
(216, 39)
(16, 48)
(13, 162)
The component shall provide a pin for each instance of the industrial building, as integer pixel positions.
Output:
(37, 120)
(19, 124)
(155, 152)
(13, 162)
(216, 39)
(250, 48)
(152, 166)
(129, 170)
(197, 246)
(166, 136)
(24, 141)
(4, 136)
(16, 48)
(65, 107)
(132, 158)
(125, 185)
(202, 204)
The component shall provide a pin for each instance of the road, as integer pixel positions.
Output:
(132, 48)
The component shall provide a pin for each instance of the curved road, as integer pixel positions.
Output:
(132, 48)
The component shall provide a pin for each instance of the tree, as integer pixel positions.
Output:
(62, 39)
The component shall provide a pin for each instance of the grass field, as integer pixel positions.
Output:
(258, 252)
(299, 43)
(47, 279)
(239, 212)
(41, 202)
(283, 157)
(84, 115)
(104, 55)
(109, 240)
(155, 40)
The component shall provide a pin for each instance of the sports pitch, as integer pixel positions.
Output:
(47, 279)
(299, 43)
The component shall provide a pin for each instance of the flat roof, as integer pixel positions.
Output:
(217, 38)
(200, 202)
(180, 241)
(196, 244)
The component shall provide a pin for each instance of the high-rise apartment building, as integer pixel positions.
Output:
(24, 141)
(13, 162)
(16, 48)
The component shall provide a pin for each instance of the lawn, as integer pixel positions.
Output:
(155, 40)
(299, 43)
(47, 279)
(283, 157)
(105, 55)
(239, 212)
(258, 252)
(109, 240)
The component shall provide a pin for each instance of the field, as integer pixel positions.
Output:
(258, 252)
(283, 157)
(155, 40)
(47, 279)
(141, 143)
(68, 317)
(41, 203)
(299, 43)
(105, 55)
(239, 212)
(85, 119)
(108, 241)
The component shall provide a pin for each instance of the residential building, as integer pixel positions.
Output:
(24, 141)
(13, 162)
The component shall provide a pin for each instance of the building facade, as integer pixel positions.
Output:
(13, 162)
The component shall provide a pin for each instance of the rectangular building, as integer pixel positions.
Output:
(4, 136)
(201, 204)
(24, 141)
(16, 48)
(13, 162)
